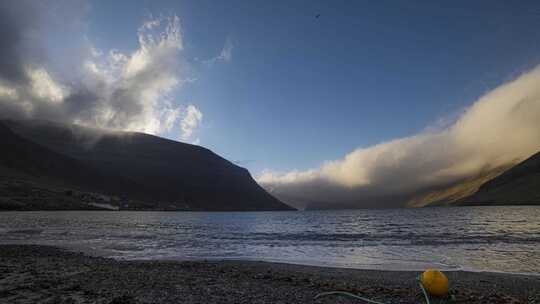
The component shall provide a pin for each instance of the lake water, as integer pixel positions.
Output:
(503, 239)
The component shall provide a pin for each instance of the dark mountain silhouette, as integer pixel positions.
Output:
(518, 185)
(451, 194)
(165, 173)
(512, 184)
(34, 177)
(28, 159)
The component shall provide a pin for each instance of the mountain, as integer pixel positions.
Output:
(448, 196)
(519, 185)
(24, 165)
(512, 184)
(149, 171)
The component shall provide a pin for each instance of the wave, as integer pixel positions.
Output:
(26, 231)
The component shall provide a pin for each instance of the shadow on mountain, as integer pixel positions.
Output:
(129, 170)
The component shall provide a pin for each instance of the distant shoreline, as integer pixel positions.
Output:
(32, 273)
(151, 210)
(535, 204)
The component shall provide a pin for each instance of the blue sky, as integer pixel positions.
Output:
(300, 90)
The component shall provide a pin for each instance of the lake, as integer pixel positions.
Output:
(505, 239)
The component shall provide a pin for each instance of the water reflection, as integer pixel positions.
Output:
(481, 238)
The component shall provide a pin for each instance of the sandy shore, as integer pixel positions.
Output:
(41, 274)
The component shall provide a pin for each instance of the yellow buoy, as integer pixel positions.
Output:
(435, 282)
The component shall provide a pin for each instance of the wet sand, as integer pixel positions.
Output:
(43, 274)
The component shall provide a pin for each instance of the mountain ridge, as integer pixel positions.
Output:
(519, 185)
(174, 175)
(446, 196)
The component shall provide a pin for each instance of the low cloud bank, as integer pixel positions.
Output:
(501, 127)
(108, 89)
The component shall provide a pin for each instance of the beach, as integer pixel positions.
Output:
(44, 274)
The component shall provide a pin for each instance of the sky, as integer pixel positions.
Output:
(339, 96)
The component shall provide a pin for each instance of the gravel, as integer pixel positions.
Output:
(43, 274)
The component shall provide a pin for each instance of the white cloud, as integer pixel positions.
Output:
(226, 52)
(7, 92)
(501, 127)
(129, 91)
(134, 89)
(44, 88)
(191, 120)
(225, 55)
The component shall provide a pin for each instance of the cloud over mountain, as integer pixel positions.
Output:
(501, 127)
(131, 91)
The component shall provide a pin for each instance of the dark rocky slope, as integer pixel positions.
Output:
(452, 194)
(519, 185)
(35, 177)
(512, 184)
(169, 174)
